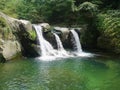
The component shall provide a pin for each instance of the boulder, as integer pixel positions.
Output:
(9, 44)
(27, 37)
(46, 27)
(10, 49)
(16, 37)
(62, 31)
(26, 24)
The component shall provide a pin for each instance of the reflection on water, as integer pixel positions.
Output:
(91, 73)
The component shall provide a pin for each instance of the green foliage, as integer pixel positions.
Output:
(88, 9)
(87, 6)
(9, 7)
(109, 25)
(26, 10)
(57, 10)
(2, 4)
(5, 32)
(2, 22)
(110, 4)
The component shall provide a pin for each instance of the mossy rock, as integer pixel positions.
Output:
(32, 35)
(5, 30)
(14, 30)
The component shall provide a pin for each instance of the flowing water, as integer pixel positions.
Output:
(59, 43)
(77, 45)
(60, 47)
(46, 49)
(78, 73)
(76, 41)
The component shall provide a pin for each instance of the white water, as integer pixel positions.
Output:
(46, 49)
(59, 43)
(60, 47)
(76, 41)
(77, 45)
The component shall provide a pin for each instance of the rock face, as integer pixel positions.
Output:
(46, 27)
(16, 37)
(9, 45)
(26, 36)
(10, 48)
(64, 35)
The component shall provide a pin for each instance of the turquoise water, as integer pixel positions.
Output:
(79, 73)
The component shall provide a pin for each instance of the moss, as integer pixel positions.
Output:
(5, 31)
(32, 35)
(2, 22)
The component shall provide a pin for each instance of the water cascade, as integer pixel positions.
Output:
(46, 49)
(77, 45)
(60, 45)
(76, 41)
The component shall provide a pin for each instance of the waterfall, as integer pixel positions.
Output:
(76, 41)
(47, 51)
(60, 47)
(46, 48)
(59, 43)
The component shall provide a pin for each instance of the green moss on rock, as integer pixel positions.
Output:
(5, 30)
(2, 22)
(32, 35)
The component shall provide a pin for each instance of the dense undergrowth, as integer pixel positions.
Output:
(109, 26)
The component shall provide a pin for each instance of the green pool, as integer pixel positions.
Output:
(78, 73)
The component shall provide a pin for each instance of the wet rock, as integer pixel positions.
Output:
(62, 32)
